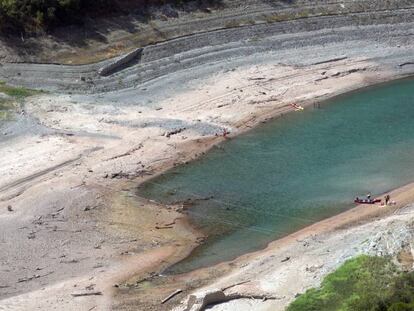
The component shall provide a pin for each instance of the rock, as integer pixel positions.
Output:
(198, 301)
(10, 208)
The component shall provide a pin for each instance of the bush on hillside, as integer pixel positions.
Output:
(34, 15)
(37, 15)
(361, 284)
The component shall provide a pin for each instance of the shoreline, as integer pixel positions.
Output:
(357, 215)
(213, 142)
(148, 146)
(353, 217)
(239, 282)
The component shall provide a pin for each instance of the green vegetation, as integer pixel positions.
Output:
(38, 15)
(4, 115)
(17, 92)
(5, 107)
(361, 284)
(33, 15)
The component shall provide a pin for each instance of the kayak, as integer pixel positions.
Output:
(366, 201)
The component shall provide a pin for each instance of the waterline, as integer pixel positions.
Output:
(295, 171)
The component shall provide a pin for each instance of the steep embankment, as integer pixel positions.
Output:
(373, 27)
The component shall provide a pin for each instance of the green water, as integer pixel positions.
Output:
(299, 169)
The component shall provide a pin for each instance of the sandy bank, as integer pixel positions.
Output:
(291, 265)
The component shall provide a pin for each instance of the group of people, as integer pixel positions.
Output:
(369, 199)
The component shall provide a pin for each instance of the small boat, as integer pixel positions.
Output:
(366, 201)
(296, 107)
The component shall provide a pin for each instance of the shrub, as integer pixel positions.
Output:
(38, 15)
(361, 284)
(16, 92)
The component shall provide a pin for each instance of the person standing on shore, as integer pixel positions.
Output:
(387, 199)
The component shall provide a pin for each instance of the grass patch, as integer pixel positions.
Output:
(16, 95)
(16, 92)
(6, 107)
(361, 284)
(5, 116)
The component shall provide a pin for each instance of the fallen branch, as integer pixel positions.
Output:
(256, 78)
(128, 153)
(163, 227)
(234, 285)
(87, 294)
(69, 261)
(36, 276)
(166, 226)
(405, 64)
(178, 291)
(174, 132)
(331, 60)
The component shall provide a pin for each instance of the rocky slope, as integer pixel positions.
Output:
(285, 30)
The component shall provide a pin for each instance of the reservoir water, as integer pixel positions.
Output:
(294, 171)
